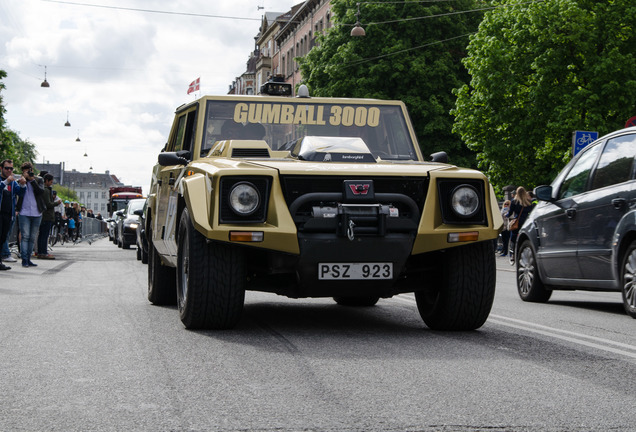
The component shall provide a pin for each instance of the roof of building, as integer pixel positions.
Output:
(86, 180)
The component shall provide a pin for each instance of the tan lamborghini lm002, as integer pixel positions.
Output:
(315, 197)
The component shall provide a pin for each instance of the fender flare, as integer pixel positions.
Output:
(196, 191)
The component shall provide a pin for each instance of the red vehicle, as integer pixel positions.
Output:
(120, 195)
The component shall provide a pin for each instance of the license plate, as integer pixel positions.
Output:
(355, 271)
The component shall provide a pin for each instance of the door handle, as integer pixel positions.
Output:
(570, 213)
(619, 203)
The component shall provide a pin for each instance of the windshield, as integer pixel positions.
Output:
(119, 204)
(383, 128)
(135, 205)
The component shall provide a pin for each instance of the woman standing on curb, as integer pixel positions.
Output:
(520, 208)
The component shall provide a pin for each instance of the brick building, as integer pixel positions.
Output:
(282, 37)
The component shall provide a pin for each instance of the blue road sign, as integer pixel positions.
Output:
(582, 138)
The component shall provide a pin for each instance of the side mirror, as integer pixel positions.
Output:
(544, 193)
(139, 212)
(171, 158)
(119, 212)
(185, 154)
(440, 157)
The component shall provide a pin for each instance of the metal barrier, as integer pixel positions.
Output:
(90, 230)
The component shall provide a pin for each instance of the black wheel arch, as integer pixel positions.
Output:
(619, 254)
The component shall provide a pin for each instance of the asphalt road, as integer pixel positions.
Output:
(82, 349)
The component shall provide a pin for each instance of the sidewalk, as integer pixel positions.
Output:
(65, 255)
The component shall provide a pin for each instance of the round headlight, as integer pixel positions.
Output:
(244, 199)
(465, 201)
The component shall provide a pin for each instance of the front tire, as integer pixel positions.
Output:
(529, 283)
(463, 295)
(210, 280)
(161, 280)
(628, 280)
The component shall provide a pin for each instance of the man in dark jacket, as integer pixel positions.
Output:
(30, 208)
(10, 190)
(48, 217)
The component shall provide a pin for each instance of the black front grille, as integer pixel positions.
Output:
(227, 215)
(328, 191)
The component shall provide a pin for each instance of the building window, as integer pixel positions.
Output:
(103, 195)
(88, 195)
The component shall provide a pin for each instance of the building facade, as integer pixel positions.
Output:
(298, 36)
(92, 189)
(283, 37)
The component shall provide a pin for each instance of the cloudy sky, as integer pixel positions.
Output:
(118, 73)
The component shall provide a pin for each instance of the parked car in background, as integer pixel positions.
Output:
(142, 244)
(111, 224)
(582, 234)
(128, 222)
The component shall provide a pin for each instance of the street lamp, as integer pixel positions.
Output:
(45, 83)
(357, 29)
(67, 124)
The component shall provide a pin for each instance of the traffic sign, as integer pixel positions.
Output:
(582, 138)
(631, 122)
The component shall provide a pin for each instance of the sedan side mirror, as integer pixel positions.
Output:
(544, 193)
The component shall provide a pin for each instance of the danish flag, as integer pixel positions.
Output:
(194, 85)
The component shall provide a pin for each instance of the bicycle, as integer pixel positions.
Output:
(54, 235)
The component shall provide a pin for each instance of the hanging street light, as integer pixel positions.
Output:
(77, 139)
(67, 124)
(45, 83)
(357, 29)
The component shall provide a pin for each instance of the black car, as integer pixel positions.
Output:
(128, 222)
(582, 234)
(142, 243)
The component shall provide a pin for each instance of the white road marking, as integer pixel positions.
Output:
(574, 337)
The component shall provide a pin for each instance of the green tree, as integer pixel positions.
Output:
(416, 60)
(11, 145)
(539, 72)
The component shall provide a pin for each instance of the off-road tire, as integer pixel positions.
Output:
(529, 284)
(628, 280)
(461, 298)
(358, 301)
(161, 280)
(210, 280)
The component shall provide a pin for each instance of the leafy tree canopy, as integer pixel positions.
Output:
(401, 57)
(539, 72)
(11, 145)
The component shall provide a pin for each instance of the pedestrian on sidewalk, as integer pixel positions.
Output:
(10, 190)
(48, 218)
(30, 207)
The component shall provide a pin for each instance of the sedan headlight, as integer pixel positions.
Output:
(465, 201)
(244, 199)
